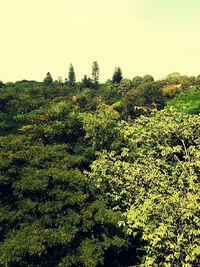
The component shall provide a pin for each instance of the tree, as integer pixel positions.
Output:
(86, 82)
(197, 80)
(125, 85)
(117, 75)
(50, 215)
(154, 180)
(148, 78)
(137, 80)
(1, 84)
(151, 94)
(100, 126)
(71, 75)
(59, 81)
(48, 80)
(95, 73)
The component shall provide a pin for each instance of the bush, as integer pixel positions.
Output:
(154, 180)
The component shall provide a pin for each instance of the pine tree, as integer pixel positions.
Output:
(48, 80)
(86, 82)
(117, 75)
(71, 75)
(95, 73)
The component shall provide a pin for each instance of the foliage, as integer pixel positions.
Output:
(125, 86)
(154, 179)
(100, 126)
(58, 124)
(117, 75)
(1, 84)
(137, 80)
(187, 102)
(170, 90)
(98, 177)
(50, 215)
(71, 75)
(86, 82)
(183, 81)
(48, 80)
(148, 78)
(95, 73)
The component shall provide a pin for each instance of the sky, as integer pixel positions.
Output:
(154, 37)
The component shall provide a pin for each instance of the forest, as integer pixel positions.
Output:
(100, 174)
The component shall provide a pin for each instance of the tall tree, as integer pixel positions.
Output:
(86, 82)
(117, 75)
(1, 84)
(48, 80)
(95, 73)
(71, 75)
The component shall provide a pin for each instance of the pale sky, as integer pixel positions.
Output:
(141, 36)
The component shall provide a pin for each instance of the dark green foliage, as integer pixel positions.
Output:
(137, 80)
(85, 180)
(124, 86)
(151, 94)
(117, 75)
(197, 80)
(53, 125)
(50, 214)
(148, 78)
(86, 99)
(110, 93)
(71, 75)
(48, 80)
(1, 84)
(86, 82)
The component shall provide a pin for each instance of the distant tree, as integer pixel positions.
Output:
(1, 84)
(86, 82)
(59, 81)
(197, 80)
(137, 80)
(95, 73)
(48, 80)
(151, 94)
(71, 75)
(117, 75)
(125, 85)
(183, 81)
(174, 78)
(9, 84)
(148, 78)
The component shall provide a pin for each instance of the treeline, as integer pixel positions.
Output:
(98, 174)
(93, 80)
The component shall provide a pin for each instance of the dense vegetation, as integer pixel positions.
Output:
(100, 174)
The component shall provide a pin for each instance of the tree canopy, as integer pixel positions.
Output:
(48, 80)
(117, 75)
(103, 175)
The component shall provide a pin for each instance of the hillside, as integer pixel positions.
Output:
(98, 174)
